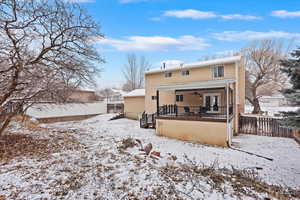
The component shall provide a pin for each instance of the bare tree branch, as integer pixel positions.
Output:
(263, 74)
(46, 51)
(134, 72)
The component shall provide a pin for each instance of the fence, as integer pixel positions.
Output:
(264, 126)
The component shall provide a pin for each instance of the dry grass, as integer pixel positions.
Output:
(34, 141)
(14, 145)
(243, 182)
(127, 143)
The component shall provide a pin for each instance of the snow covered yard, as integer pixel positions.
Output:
(107, 164)
(45, 110)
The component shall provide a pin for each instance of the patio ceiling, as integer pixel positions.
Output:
(195, 85)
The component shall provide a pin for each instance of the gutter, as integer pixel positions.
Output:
(198, 65)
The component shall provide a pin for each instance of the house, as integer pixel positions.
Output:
(198, 101)
(134, 103)
(115, 103)
(82, 96)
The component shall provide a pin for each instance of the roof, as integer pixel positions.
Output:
(205, 63)
(136, 93)
(120, 91)
(277, 96)
(84, 91)
(196, 85)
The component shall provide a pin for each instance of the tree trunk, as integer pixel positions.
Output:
(5, 124)
(256, 106)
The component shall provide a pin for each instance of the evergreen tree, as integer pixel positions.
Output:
(291, 67)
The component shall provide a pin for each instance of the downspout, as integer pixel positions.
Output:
(237, 99)
(227, 116)
(157, 102)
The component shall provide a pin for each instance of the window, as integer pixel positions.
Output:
(168, 74)
(153, 97)
(185, 72)
(218, 71)
(179, 97)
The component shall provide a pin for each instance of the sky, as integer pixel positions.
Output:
(185, 30)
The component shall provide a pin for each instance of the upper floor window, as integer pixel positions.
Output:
(185, 72)
(168, 74)
(218, 71)
(179, 97)
(154, 97)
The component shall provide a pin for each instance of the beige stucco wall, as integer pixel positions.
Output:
(242, 89)
(134, 106)
(213, 133)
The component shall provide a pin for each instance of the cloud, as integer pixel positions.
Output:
(190, 13)
(150, 43)
(253, 35)
(198, 14)
(239, 16)
(285, 14)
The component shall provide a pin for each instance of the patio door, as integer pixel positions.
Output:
(212, 102)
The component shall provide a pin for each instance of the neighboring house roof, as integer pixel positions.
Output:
(84, 91)
(119, 91)
(197, 64)
(136, 93)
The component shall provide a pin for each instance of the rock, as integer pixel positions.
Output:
(148, 148)
(155, 153)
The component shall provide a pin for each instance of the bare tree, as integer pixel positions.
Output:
(134, 72)
(263, 74)
(107, 93)
(45, 52)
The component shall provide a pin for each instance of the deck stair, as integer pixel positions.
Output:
(148, 120)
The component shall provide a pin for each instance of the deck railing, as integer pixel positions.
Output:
(219, 112)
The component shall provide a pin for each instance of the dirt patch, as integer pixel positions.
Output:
(17, 145)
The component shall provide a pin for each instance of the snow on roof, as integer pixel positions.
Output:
(136, 93)
(170, 64)
(120, 91)
(276, 96)
(205, 63)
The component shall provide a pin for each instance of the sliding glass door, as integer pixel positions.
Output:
(212, 102)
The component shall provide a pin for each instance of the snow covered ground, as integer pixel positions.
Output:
(70, 109)
(103, 170)
(271, 110)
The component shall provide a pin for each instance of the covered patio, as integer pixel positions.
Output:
(203, 101)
